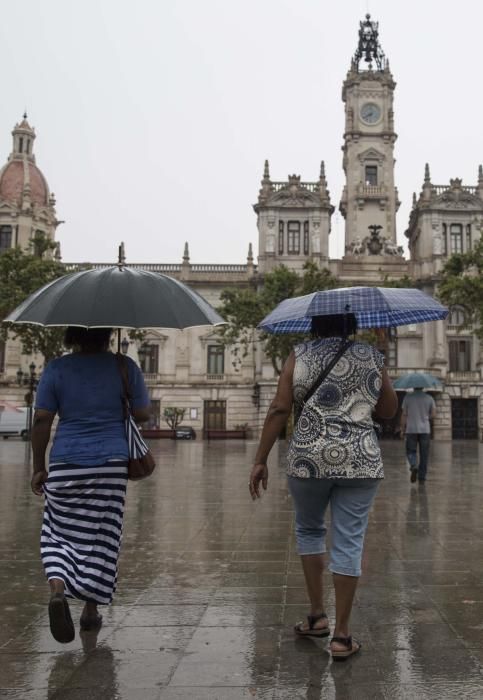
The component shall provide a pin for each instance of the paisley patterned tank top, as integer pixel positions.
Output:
(335, 437)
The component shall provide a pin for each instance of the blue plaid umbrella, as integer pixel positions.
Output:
(374, 307)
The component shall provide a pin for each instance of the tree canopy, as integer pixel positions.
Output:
(22, 272)
(462, 285)
(243, 309)
(173, 416)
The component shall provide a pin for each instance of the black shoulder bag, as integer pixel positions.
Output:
(141, 462)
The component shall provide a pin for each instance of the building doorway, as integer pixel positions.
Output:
(464, 419)
(214, 417)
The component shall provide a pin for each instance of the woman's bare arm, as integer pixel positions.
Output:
(275, 420)
(42, 425)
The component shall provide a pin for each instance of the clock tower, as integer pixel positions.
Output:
(369, 201)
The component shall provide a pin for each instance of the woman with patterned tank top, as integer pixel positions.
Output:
(333, 458)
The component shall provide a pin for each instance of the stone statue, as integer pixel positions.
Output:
(391, 248)
(357, 246)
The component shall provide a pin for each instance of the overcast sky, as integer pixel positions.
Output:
(154, 118)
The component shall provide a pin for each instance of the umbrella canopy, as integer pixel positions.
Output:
(374, 307)
(116, 296)
(417, 380)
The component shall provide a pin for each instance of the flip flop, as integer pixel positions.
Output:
(60, 619)
(350, 651)
(312, 631)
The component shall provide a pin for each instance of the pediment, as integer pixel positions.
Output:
(458, 199)
(294, 197)
(7, 207)
(43, 211)
(210, 337)
(371, 154)
(152, 336)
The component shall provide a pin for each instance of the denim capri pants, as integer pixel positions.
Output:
(350, 502)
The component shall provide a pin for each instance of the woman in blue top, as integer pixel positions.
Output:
(85, 485)
(333, 458)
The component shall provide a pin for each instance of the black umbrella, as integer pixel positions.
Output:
(119, 297)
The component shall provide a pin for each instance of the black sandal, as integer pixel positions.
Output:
(350, 651)
(60, 619)
(313, 631)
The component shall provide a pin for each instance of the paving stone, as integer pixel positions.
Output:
(210, 586)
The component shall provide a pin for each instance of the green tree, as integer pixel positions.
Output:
(173, 416)
(21, 274)
(462, 285)
(243, 309)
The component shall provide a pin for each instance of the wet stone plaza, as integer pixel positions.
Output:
(210, 587)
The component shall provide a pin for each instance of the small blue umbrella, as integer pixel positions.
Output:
(417, 380)
(373, 307)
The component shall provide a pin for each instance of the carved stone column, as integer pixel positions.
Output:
(439, 360)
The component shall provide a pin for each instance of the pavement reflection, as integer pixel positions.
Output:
(210, 587)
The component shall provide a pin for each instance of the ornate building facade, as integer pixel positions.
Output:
(26, 205)
(225, 388)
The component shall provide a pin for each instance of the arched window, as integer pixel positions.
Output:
(280, 237)
(456, 238)
(293, 243)
(216, 360)
(306, 238)
(5, 238)
(456, 317)
(371, 175)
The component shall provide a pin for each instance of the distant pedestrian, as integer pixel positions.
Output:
(418, 409)
(85, 485)
(333, 458)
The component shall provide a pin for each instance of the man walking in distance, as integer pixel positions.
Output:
(418, 409)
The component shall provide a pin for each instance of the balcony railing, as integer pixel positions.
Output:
(152, 377)
(468, 376)
(372, 191)
(400, 371)
(310, 186)
(439, 189)
(215, 377)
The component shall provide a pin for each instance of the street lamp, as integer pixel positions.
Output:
(124, 346)
(256, 395)
(29, 380)
(143, 352)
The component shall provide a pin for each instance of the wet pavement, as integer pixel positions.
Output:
(210, 587)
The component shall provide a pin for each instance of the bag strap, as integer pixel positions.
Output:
(126, 392)
(345, 345)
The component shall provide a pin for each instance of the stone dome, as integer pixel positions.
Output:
(13, 179)
(20, 178)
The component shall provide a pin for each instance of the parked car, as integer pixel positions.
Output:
(184, 432)
(13, 421)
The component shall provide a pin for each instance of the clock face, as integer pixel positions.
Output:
(370, 113)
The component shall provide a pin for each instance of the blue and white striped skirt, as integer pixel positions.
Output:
(82, 528)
